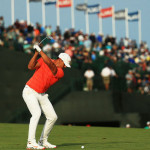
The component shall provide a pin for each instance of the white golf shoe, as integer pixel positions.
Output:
(34, 146)
(46, 144)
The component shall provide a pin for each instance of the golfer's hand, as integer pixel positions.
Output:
(37, 48)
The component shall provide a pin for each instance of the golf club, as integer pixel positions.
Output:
(48, 37)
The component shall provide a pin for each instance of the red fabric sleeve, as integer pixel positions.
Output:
(60, 73)
(40, 61)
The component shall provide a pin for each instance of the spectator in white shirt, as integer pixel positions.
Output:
(106, 73)
(89, 74)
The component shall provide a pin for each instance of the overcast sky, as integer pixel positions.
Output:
(65, 16)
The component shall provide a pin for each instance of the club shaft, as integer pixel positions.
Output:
(42, 40)
(48, 37)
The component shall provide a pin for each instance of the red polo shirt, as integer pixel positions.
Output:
(43, 78)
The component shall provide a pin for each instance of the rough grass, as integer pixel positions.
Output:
(14, 137)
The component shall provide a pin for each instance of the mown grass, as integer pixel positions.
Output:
(14, 137)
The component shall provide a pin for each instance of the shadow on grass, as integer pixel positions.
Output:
(118, 142)
(71, 144)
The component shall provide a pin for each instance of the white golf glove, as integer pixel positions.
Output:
(37, 48)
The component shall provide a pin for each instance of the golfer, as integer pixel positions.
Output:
(47, 72)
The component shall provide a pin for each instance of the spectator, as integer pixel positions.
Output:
(69, 51)
(1, 25)
(100, 38)
(93, 56)
(17, 24)
(84, 49)
(36, 32)
(128, 125)
(129, 81)
(147, 89)
(126, 42)
(87, 43)
(30, 29)
(20, 40)
(1, 43)
(147, 125)
(89, 74)
(11, 35)
(27, 47)
(48, 30)
(80, 59)
(140, 90)
(81, 39)
(67, 34)
(112, 72)
(47, 49)
(92, 37)
(58, 31)
(29, 38)
(105, 73)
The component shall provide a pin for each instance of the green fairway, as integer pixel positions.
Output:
(14, 137)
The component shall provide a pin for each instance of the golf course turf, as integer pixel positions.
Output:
(14, 137)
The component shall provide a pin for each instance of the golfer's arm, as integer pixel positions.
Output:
(33, 62)
(49, 62)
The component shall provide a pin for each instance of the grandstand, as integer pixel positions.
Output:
(99, 107)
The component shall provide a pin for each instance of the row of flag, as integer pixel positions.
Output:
(93, 9)
(90, 9)
(60, 3)
(108, 12)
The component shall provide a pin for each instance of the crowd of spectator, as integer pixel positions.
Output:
(84, 49)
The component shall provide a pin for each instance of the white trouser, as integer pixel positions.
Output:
(37, 102)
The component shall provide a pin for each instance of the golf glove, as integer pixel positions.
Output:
(37, 48)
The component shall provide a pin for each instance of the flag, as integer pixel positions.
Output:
(49, 2)
(106, 12)
(81, 7)
(120, 15)
(64, 3)
(134, 16)
(93, 9)
(35, 0)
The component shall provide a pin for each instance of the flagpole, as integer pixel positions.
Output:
(72, 14)
(113, 21)
(43, 13)
(140, 33)
(100, 22)
(87, 19)
(58, 17)
(126, 22)
(12, 12)
(28, 12)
